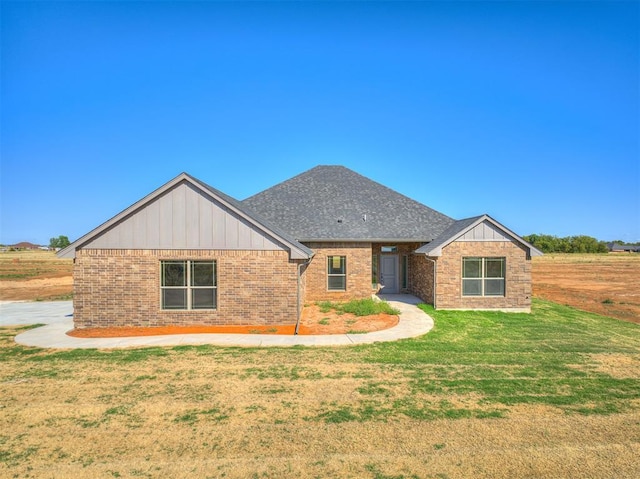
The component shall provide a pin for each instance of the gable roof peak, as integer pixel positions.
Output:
(297, 250)
(460, 227)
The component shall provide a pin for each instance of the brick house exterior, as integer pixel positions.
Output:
(187, 254)
(122, 287)
(517, 294)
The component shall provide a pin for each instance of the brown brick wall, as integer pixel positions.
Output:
(449, 276)
(122, 288)
(421, 277)
(358, 271)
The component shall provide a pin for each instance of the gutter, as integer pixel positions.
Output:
(435, 271)
(306, 263)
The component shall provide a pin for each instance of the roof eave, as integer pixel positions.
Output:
(439, 244)
(364, 240)
(297, 250)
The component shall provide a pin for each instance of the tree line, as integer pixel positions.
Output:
(568, 244)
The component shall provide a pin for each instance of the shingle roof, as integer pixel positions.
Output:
(460, 227)
(336, 203)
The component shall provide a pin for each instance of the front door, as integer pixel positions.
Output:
(388, 273)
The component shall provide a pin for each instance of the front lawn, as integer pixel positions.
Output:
(482, 395)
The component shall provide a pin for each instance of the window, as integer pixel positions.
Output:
(188, 284)
(404, 272)
(389, 249)
(483, 276)
(337, 273)
(374, 269)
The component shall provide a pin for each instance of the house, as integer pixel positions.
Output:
(623, 248)
(25, 245)
(189, 254)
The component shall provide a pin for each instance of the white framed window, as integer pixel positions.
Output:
(337, 273)
(483, 276)
(187, 284)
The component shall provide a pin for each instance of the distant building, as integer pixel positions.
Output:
(623, 248)
(25, 245)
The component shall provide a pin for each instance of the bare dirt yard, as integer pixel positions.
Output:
(34, 275)
(607, 284)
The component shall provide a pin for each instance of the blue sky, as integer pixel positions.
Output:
(527, 111)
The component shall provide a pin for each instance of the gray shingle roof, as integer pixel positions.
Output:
(458, 228)
(336, 203)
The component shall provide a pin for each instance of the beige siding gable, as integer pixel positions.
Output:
(485, 231)
(184, 218)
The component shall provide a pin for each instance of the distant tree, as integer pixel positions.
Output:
(587, 244)
(59, 242)
(569, 244)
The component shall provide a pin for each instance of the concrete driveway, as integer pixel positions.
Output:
(58, 319)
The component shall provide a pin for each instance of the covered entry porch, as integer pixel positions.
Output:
(396, 269)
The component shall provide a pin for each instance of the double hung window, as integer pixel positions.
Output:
(483, 276)
(337, 273)
(188, 284)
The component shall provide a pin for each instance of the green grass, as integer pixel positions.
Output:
(59, 297)
(359, 307)
(472, 364)
(541, 358)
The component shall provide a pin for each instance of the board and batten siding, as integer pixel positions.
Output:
(184, 218)
(484, 232)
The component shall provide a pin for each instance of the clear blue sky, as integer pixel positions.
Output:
(527, 111)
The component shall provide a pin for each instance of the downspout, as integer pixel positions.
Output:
(300, 265)
(435, 271)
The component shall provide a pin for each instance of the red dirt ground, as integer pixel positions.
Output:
(603, 284)
(313, 322)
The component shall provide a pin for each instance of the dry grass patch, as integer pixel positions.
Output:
(617, 365)
(34, 275)
(483, 395)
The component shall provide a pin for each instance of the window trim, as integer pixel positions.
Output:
(189, 288)
(483, 278)
(343, 262)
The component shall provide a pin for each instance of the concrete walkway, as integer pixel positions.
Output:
(57, 317)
